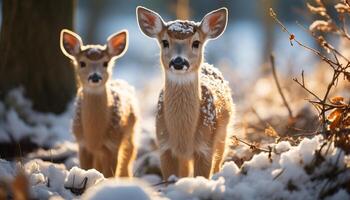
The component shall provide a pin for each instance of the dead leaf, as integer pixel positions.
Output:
(335, 123)
(334, 114)
(270, 131)
(323, 26)
(337, 100)
(342, 8)
(317, 10)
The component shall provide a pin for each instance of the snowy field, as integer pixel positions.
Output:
(289, 172)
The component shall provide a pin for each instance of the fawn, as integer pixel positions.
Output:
(106, 116)
(195, 106)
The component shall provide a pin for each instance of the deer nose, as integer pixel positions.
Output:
(95, 78)
(179, 63)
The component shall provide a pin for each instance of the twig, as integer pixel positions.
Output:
(292, 38)
(305, 88)
(251, 146)
(326, 44)
(272, 59)
(164, 182)
(279, 174)
(305, 132)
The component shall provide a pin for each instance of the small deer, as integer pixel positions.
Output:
(106, 116)
(195, 107)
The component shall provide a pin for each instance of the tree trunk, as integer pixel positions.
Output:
(30, 54)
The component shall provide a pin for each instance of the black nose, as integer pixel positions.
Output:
(179, 63)
(95, 78)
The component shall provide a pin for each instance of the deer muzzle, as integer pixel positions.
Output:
(179, 63)
(95, 78)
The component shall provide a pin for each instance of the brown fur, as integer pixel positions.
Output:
(106, 116)
(182, 130)
(195, 107)
(106, 142)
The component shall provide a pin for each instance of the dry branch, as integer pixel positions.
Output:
(272, 59)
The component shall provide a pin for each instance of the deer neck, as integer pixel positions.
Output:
(182, 106)
(95, 115)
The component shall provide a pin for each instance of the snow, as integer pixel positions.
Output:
(290, 173)
(121, 189)
(64, 150)
(79, 178)
(18, 118)
(261, 178)
(46, 179)
(181, 26)
(7, 170)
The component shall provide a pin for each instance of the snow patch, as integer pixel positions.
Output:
(121, 189)
(179, 26)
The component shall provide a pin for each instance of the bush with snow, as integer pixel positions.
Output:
(284, 176)
(18, 121)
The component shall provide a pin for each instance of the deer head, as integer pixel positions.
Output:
(181, 42)
(93, 63)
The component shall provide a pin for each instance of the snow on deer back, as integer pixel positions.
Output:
(216, 95)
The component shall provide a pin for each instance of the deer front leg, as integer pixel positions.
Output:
(126, 156)
(105, 162)
(168, 164)
(96, 162)
(184, 167)
(202, 163)
(85, 158)
(223, 127)
(108, 157)
(218, 156)
(109, 164)
(127, 152)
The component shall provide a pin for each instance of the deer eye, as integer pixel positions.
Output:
(195, 44)
(105, 64)
(165, 43)
(82, 64)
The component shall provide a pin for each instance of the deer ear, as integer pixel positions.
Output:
(70, 43)
(117, 44)
(150, 22)
(214, 23)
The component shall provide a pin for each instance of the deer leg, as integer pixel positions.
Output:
(184, 167)
(108, 162)
(221, 133)
(97, 162)
(202, 164)
(126, 156)
(168, 164)
(218, 156)
(85, 158)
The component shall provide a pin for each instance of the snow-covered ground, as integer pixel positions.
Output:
(290, 172)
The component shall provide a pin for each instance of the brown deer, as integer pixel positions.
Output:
(106, 116)
(195, 107)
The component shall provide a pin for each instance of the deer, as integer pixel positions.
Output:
(195, 106)
(106, 112)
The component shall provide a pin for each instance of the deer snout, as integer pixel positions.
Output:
(95, 78)
(179, 63)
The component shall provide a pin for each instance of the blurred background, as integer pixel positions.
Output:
(249, 38)
(30, 40)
